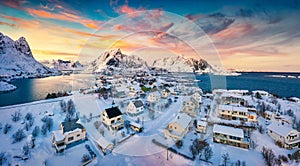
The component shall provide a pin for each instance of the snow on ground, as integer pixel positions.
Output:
(138, 149)
(4, 87)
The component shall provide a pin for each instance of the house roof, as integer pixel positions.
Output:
(228, 131)
(183, 119)
(59, 136)
(240, 109)
(113, 112)
(70, 126)
(138, 103)
(201, 123)
(282, 130)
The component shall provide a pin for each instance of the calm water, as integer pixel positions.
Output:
(284, 87)
(36, 89)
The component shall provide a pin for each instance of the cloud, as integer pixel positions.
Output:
(65, 17)
(7, 24)
(56, 53)
(16, 4)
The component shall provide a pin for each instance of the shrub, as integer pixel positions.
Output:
(18, 136)
(179, 144)
(16, 116)
(268, 156)
(85, 158)
(2, 158)
(6, 129)
(35, 131)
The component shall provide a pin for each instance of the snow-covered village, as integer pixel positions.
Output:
(149, 83)
(151, 116)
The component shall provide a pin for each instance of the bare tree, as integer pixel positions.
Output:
(207, 152)
(226, 159)
(18, 135)
(35, 131)
(16, 116)
(6, 129)
(268, 156)
(85, 158)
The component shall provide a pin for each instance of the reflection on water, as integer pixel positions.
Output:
(36, 89)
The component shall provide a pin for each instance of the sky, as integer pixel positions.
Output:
(249, 35)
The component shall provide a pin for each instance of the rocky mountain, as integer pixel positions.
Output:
(116, 58)
(16, 60)
(181, 64)
(63, 65)
(184, 64)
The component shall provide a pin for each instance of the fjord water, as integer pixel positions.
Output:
(282, 84)
(37, 89)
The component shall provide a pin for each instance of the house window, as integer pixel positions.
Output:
(70, 138)
(112, 121)
(175, 127)
(78, 135)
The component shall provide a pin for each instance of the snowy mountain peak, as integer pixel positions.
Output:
(16, 59)
(115, 58)
(22, 46)
(181, 64)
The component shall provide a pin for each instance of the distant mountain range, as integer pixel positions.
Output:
(115, 58)
(16, 60)
(64, 65)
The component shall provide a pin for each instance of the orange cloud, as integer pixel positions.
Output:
(65, 17)
(7, 24)
(234, 31)
(58, 53)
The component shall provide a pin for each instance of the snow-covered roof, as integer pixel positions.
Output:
(70, 126)
(104, 143)
(261, 92)
(138, 103)
(237, 91)
(183, 120)
(231, 95)
(282, 130)
(240, 109)
(59, 136)
(201, 123)
(225, 107)
(228, 131)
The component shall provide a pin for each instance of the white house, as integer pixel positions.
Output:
(229, 135)
(261, 92)
(190, 107)
(153, 97)
(294, 99)
(165, 93)
(135, 107)
(287, 136)
(230, 98)
(179, 127)
(69, 132)
(230, 112)
(269, 115)
(197, 97)
(112, 118)
(201, 126)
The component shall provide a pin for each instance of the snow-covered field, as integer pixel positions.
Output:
(5, 87)
(137, 149)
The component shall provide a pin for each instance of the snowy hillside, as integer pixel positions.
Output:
(16, 59)
(62, 65)
(183, 64)
(116, 58)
